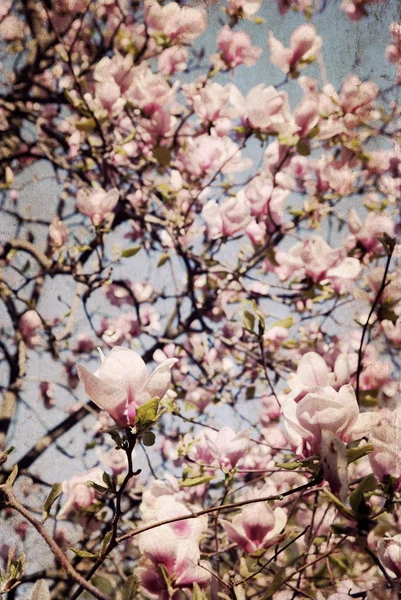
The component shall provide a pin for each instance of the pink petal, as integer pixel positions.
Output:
(104, 394)
(158, 383)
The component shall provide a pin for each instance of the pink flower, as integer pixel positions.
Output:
(304, 44)
(356, 9)
(12, 28)
(227, 446)
(257, 527)
(172, 60)
(229, 218)
(113, 458)
(176, 548)
(97, 203)
(312, 372)
(325, 410)
(80, 495)
(386, 456)
(208, 153)
(366, 234)
(392, 331)
(268, 110)
(118, 69)
(243, 7)
(390, 555)
(235, 215)
(149, 91)
(29, 323)
(122, 383)
(210, 103)
(58, 233)
(236, 48)
(357, 99)
(181, 24)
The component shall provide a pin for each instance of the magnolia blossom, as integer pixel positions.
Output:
(97, 203)
(392, 331)
(122, 383)
(320, 262)
(58, 233)
(227, 447)
(208, 153)
(29, 324)
(356, 9)
(181, 24)
(312, 372)
(304, 44)
(386, 439)
(80, 495)
(178, 557)
(173, 60)
(325, 410)
(366, 234)
(267, 109)
(236, 48)
(390, 555)
(246, 7)
(257, 527)
(175, 547)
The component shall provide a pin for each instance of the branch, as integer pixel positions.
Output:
(212, 509)
(389, 246)
(12, 502)
(130, 444)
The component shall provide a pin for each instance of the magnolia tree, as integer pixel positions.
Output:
(201, 303)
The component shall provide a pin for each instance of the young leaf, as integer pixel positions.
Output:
(55, 492)
(368, 484)
(149, 438)
(193, 481)
(354, 454)
(130, 588)
(12, 477)
(83, 553)
(146, 414)
(131, 251)
(249, 320)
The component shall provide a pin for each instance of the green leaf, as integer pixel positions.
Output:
(368, 484)
(287, 323)
(105, 543)
(55, 492)
(12, 477)
(194, 481)
(97, 487)
(250, 392)
(341, 507)
(313, 132)
(303, 148)
(162, 155)
(83, 553)
(103, 584)
(130, 588)
(197, 593)
(249, 320)
(149, 438)
(163, 259)
(289, 466)
(354, 454)
(130, 251)
(109, 481)
(87, 125)
(146, 414)
(276, 584)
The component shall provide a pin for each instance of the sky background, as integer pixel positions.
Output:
(347, 48)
